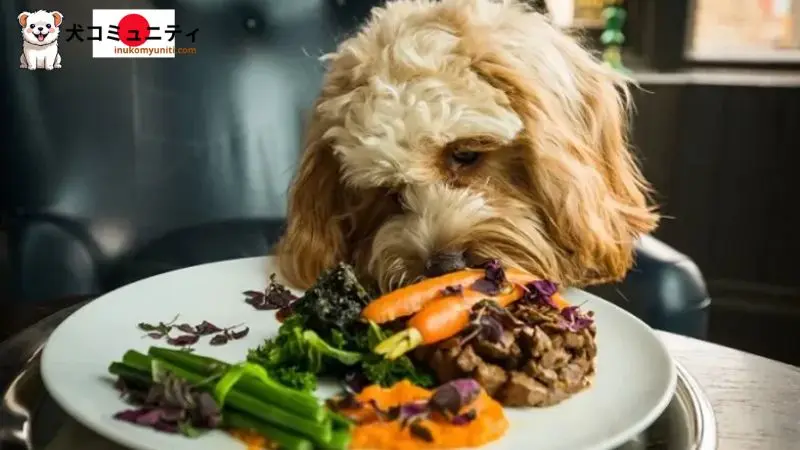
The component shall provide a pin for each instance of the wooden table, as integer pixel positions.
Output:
(756, 400)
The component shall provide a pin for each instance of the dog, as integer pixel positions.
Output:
(40, 40)
(453, 132)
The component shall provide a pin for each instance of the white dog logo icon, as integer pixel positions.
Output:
(40, 40)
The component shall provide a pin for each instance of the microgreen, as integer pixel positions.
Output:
(274, 297)
(192, 333)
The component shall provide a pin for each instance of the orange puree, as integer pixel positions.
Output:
(489, 425)
(253, 440)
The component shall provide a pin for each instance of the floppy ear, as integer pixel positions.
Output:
(22, 18)
(314, 239)
(57, 17)
(587, 186)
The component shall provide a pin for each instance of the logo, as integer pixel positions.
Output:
(40, 40)
(135, 33)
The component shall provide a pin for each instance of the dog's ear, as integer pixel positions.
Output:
(22, 18)
(586, 184)
(314, 239)
(58, 18)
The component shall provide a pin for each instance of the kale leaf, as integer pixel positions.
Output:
(334, 302)
(326, 336)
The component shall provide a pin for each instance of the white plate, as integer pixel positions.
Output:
(635, 375)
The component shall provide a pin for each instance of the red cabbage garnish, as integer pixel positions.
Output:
(572, 319)
(466, 418)
(487, 287)
(489, 320)
(494, 279)
(494, 272)
(449, 398)
(541, 292)
(274, 297)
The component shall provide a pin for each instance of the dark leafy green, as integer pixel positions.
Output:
(325, 336)
(334, 302)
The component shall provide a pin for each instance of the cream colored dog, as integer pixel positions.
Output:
(453, 132)
(40, 40)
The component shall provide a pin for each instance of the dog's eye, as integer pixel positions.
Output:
(465, 158)
(48, 25)
(33, 26)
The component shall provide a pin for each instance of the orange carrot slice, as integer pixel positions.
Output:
(445, 317)
(410, 299)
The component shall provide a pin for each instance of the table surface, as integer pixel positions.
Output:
(756, 400)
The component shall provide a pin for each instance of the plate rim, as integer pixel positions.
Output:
(609, 443)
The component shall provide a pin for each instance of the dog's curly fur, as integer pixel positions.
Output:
(553, 190)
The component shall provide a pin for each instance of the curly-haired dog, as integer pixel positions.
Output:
(449, 133)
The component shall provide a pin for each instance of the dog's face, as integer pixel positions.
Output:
(40, 27)
(470, 128)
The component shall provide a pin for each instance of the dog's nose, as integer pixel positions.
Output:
(441, 263)
(41, 28)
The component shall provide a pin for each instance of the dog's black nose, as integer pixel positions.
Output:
(441, 263)
(41, 28)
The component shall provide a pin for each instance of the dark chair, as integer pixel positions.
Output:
(120, 169)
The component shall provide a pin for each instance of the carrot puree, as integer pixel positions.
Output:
(253, 440)
(489, 425)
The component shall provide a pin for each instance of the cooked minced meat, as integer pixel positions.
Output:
(537, 364)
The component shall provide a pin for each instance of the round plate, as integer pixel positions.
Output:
(635, 374)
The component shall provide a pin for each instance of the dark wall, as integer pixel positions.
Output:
(724, 161)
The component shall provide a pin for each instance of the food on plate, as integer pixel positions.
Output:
(444, 310)
(192, 333)
(324, 335)
(470, 283)
(458, 414)
(534, 353)
(489, 337)
(177, 391)
(274, 297)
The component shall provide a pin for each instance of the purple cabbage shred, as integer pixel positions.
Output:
(574, 320)
(541, 292)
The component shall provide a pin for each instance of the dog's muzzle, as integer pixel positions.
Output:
(41, 36)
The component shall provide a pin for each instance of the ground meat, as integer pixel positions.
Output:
(539, 364)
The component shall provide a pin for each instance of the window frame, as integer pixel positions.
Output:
(658, 33)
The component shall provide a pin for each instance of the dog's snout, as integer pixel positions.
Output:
(41, 28)
(441, 263)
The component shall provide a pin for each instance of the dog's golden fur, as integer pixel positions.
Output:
(554, 191)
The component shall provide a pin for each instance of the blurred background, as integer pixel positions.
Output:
(113, 170)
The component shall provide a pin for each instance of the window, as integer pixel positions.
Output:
(760, 31)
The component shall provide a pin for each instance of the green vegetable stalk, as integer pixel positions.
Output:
(292, 419)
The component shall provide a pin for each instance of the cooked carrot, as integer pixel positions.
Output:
(410, 299)
(446, 316)
(441, 319)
